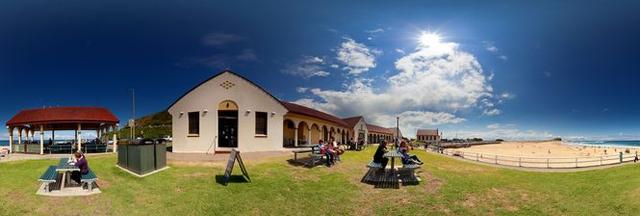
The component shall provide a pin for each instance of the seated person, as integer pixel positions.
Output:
(82, 164)
(406, 157)
(378, 157)
(327, 150)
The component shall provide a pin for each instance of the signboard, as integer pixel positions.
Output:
(233, 156)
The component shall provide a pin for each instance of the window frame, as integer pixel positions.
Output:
(189, 124)
(266, 124)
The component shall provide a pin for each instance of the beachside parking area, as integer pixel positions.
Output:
(449, 187)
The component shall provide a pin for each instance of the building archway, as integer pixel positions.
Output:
(315, 133)
(228, 124)
(325, 133)
(303, 133)
(288, 134)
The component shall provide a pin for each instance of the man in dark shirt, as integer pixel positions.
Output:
(378, 157)
(82, 164)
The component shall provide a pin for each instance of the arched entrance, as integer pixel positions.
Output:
(315, 134)
(228, 124)
(303, 133)
(289, 130)
(325, 133)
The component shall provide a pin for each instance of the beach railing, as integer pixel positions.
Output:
(543, 162)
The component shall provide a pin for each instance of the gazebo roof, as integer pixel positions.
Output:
(63, 115)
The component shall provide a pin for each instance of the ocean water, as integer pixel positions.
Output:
(4, 142)
(607, 143)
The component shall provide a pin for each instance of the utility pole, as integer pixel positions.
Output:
(397, 130)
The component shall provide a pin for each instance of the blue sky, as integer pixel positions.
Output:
(507, 69)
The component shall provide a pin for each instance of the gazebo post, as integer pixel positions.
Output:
(79, 137)
(41, 139)
(10, 139)
(19, 136)
(115, 138)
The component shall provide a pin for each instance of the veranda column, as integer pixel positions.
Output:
(41, 139)
(309, 136)
(19, 136)
(115, 139)
(79, 135)
(295, 137)
(10, 139)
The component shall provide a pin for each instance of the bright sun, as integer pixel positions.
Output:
(429, 39)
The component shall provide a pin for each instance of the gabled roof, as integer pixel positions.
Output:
(352, 121)
(427, 132)
(303, 110)
(63, 115)
(218, 74)
(378, 129)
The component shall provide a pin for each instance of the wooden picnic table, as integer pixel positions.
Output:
(64, 167)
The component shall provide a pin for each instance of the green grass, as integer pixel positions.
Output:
(450, 187)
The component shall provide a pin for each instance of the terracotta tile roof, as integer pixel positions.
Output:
(303, 110)
(63, 115)
(352, 121)
(378, 129)
(427, 132)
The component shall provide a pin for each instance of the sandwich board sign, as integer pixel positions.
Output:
(233, 156)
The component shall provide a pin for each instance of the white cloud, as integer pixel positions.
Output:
(398, 50)
(307, 67)
(431, 85)
(335, 66)
(219, 38)
(372, 31)
(488, 45)
(492, 112)
(247, 55)
(356, 57)
(302, 89)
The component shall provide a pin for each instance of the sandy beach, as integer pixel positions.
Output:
(550, 154)
(544, 149)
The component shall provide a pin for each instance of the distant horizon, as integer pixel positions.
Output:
(552, 69)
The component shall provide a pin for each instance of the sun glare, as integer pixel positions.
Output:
(429, 39)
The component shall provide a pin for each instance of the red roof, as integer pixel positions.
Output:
(303, 110)
(352, 121)
(63, 115)
(427, 132)
(378, 129)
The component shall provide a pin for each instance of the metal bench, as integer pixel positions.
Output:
(296, 152)
(89, 179)
(374, 165)
(50, 176)
(408, 174)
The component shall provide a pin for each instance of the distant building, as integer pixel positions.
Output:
(378, 134)
(428, 135)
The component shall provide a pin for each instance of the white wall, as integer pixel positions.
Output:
(208, 96)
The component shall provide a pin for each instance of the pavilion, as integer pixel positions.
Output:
(32, 121)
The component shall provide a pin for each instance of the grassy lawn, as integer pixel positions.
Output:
(450, 187)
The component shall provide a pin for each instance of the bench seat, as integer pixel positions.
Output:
(89, 179)
(410, 166)
(48, 177)
(374, 165)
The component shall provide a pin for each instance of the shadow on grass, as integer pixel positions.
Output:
(232, 179)
(305, 162)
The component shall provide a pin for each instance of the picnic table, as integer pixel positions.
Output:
(393, 154)
(64, 167)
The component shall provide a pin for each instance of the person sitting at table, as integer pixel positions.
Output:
(327, 150)
(82, 164)
(406, 157)
(336, 147)
(378, 157)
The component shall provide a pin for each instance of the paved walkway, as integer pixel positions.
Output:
(535, 169)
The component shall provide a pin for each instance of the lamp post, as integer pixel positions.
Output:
(397, 131)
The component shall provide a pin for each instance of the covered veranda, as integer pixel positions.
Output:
(24, 126)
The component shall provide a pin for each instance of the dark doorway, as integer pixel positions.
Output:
(228, 128)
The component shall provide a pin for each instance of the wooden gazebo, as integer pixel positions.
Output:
(28, 122)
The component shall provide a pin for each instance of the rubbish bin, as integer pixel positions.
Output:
(142, 157)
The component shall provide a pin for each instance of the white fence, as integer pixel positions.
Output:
(543, 162)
